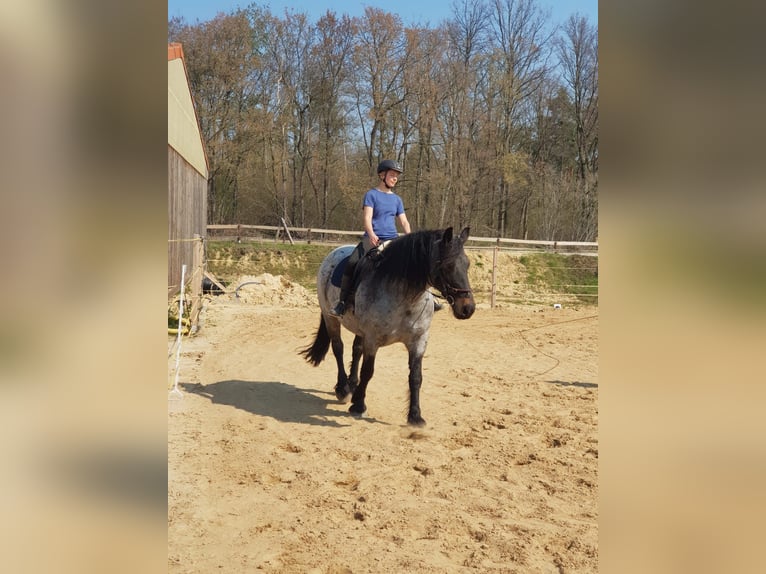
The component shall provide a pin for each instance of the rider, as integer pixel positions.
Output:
(381, 209)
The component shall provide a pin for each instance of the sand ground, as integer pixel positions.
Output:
(268, 472)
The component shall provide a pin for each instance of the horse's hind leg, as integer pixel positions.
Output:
(342, 389)
(357, 401)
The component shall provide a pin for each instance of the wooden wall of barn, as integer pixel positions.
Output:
(187, 216)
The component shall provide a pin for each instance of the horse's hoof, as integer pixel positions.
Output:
(357, 411)
(343, 393)
(416, 421)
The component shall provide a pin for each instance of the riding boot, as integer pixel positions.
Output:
(345, 288)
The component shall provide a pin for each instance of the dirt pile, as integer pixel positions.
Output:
(268, 289)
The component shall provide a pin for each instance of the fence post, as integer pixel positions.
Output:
(196, 282)
(287, 231)
(494, 274)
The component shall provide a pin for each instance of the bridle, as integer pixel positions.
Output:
(450, 293)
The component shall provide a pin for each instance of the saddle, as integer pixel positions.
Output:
(373, 254)
(339, 275)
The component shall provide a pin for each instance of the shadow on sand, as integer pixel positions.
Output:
(277, 400)
(574, 384)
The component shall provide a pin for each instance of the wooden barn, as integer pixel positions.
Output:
(187, 178)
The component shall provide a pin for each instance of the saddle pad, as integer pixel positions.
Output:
(337, 273)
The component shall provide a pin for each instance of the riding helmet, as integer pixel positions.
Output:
(387, 164)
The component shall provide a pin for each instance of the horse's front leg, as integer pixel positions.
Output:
(342, 389)
(415, 380)
(358, 407)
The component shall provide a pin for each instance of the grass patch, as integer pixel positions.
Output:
(567, 274)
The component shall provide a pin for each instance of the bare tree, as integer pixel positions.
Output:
(380, 59)
(329, 77)
(464, 113)
(493, 113)
(221, 57)
(522, 47)
(578, 54)
(290, 44)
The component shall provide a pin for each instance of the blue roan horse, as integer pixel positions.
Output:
(391, 304)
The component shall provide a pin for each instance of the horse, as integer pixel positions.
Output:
(392, 303)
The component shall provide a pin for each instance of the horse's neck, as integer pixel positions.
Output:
(415, 283)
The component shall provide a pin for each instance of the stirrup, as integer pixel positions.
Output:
(339, 309)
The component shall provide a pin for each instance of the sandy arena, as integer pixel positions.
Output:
(268, 472)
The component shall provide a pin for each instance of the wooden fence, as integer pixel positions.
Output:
(244, 233)
(283, 233)
(309, 235)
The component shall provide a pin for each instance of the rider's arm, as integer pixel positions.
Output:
(404, 222)
(367, 215)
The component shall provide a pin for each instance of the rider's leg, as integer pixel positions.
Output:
(347, 281)
(345, 288)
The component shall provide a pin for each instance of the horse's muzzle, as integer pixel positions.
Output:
(463, 307)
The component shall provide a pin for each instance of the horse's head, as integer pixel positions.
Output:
(450, 274)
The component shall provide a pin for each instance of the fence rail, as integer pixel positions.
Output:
(495, 288)
(239, 232)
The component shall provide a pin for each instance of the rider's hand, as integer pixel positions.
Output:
(374, 240)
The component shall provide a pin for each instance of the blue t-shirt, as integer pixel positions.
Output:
(385, 208)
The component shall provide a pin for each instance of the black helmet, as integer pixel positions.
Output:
(387, 164)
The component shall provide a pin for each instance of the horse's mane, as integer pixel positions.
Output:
(409, 259)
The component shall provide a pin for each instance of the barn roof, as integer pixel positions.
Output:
(183, 125)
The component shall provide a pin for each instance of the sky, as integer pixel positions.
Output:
(411, 11)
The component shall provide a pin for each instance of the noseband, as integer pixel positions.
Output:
(450, 293)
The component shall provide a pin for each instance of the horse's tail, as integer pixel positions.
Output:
(316, 352)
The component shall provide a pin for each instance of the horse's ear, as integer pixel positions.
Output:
(447, 236)
(464, 234)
